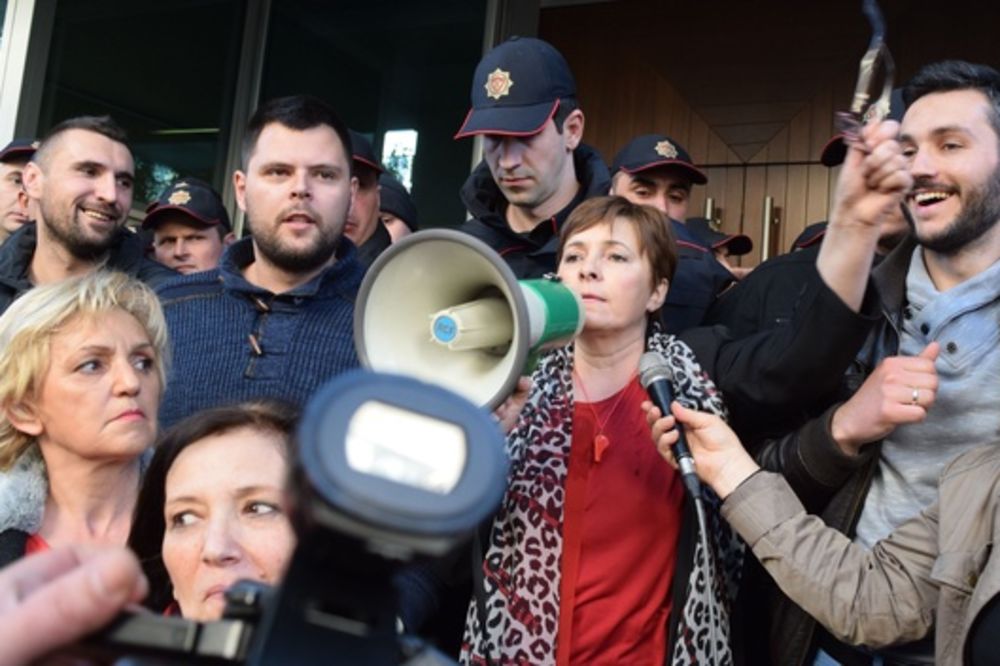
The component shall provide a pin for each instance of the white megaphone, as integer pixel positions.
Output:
(443, 307)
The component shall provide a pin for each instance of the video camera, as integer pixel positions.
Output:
(389, 471)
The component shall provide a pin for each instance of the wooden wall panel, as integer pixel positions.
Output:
(623, 96)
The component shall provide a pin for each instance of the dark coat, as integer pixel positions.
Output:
(698, 281)
(827, 481)
(375, 245)
(533, 254)
(127, 254)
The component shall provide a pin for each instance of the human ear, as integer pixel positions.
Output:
(24, 418)
(573, 129)
(658, 296)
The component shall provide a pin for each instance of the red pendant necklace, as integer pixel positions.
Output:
(601, 441)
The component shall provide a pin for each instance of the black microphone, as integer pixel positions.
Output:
(656, 377)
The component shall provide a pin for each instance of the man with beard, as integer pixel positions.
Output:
(80, 179)
(924, 387)
(275, 318)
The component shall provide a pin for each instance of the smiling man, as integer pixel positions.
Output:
(924, 387)
(535, 169)
(80, 179)
(275, 318)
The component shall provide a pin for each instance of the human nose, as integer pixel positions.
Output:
(221, 545)
(509, 153)
(107, 187)
(922, 164)
(300, 185)
(126, 378)
(180, 248)
(661, 203)
(589, 268)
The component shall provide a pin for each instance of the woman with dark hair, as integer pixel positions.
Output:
(212, 507)
(592, 555)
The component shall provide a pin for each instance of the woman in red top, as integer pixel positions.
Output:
(81, 372)
(585, 561)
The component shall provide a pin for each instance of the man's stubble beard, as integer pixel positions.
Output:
(979, 214)
(68, 234)
(294, 261)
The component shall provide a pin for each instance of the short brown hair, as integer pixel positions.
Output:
(656, 238)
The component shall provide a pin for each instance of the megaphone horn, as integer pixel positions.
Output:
(444, 307)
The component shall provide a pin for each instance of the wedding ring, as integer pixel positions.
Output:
(915, 397)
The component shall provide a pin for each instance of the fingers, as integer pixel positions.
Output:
(690, 417)
(930, 352)
(880, 158)
(85, 591)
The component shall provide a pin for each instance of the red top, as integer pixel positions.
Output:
(36, 544)
(621, 524)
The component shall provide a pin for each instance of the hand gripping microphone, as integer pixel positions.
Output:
(656, 377)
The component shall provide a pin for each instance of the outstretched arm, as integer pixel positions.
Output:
(876, 597)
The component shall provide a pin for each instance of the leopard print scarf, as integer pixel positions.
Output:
(524, 551)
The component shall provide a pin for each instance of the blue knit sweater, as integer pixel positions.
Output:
(234, 341)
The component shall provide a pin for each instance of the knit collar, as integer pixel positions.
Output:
(343, 275)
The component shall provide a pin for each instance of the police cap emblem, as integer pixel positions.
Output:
(666, 149)
(179, 198)
(498, 83)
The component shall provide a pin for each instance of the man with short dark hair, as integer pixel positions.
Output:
(81, 178)
(13, 202)
(924, 387)
(364, 227)
(275, 319)
(190, 226)
(535, 169)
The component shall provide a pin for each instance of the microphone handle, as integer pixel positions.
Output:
(661, 395)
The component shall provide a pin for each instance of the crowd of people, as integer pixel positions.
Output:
(838, 400)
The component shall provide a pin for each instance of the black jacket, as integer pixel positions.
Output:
(13, 543)
(698, 281)
(127, 254)
(533, 254)
(827, 481)
(375, 245)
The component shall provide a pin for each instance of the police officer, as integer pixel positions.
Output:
(655, 170)
(536, 170)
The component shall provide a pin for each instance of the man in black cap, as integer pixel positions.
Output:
(81, 177)
(536, 170)
(190, 226)
(13, 202)
(656, 171)
(363, 225)
(398, 212)
(721, 244)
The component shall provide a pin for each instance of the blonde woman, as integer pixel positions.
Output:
(81, 374)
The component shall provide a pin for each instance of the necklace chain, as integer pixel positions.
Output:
(601, 441)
